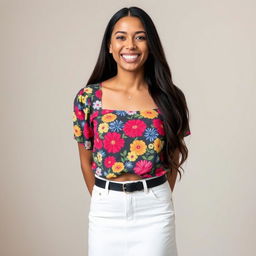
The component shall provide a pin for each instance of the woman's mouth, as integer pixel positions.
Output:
(130, 58)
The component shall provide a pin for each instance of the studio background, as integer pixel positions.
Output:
(48, 51)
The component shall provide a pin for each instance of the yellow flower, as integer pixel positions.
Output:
(74, 117)
(150, 145)
(158, 145)
(103, 127)
(77, 130)
(149, 113)
(88, 90)
(118, 167)
(108, 117)
(111, 175)
(99, 156)
(84, 98)
(139, 147)
(132, 156)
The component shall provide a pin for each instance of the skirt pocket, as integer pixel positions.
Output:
(161, 193)
(98, 194)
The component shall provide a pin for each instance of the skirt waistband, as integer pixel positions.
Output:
(130, 186)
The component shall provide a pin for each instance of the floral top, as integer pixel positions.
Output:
(121, 141)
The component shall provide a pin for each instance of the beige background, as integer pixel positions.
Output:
(48, 50)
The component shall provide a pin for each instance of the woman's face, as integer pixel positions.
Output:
(128, 43)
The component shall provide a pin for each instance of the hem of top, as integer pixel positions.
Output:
(147, 178)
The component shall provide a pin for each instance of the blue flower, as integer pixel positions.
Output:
(151, 134)
(82, 123)
(80, 105)
(102, 152)
(116, 126)
(128, 164)
(120, 112)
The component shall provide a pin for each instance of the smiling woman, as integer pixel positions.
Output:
(128, 43)
(130, 121)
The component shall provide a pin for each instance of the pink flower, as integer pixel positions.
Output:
(97, 142)
(109, 161)
(88, 132)
(106, 111)
(159, 126)
(146, 176)
(134, 128)
(94, 165)
(113, 142)
(95, 126)
(81, 91)
(160, 172)
(98, 93)
(79, 113)
(142, 167)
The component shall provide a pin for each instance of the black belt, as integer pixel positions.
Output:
(131, 186)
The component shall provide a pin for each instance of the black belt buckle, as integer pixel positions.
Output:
(130, 187)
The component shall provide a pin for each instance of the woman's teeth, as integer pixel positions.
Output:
(130, 58)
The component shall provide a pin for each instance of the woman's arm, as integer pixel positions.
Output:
(173, 176)
(86, 162)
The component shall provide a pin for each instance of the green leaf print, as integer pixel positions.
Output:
(122, 154)
(97, 162)
(80, 139)
(135, 115)
(149, 152)
(150, 157)
(101, 136)
(147, 157)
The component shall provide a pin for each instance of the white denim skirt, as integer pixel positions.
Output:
(140, 222)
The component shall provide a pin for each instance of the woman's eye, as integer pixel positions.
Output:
(122, 37)
(143, 37)
(119, 37)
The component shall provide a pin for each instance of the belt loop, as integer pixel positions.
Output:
(107, 186)
(145, 185)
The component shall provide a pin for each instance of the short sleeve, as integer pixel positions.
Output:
(82, 127)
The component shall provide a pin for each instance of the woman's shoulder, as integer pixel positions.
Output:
(89, 89)
(88, 92)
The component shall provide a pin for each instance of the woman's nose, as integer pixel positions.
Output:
(130, 44)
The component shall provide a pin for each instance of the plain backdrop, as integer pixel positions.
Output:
(48, 51)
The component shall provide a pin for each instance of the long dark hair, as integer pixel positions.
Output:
(167, 96)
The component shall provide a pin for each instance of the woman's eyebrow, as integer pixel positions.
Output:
(137, 32)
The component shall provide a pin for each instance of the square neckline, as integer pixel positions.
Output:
(121, 110)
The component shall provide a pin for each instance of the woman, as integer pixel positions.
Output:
(130, 121)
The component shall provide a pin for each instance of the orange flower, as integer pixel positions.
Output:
(118, 167)
(77, 131)
(139, 147)
(109, 117)
(149, 113)
(158, 145)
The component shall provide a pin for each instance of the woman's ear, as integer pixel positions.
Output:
(109, 47)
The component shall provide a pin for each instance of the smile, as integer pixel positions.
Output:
(130, 58)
